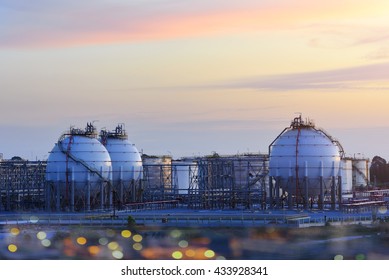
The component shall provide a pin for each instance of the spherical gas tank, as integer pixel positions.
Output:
(79, 159)
(304, 151)
(126, 159)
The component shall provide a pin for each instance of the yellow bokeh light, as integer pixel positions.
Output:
(209, 254)
(126, 233)
(137, 246)
(81, 240)
(113, 245)
(15, 231)
(338, 257)
(41, 235)
(177, 255)
(137, 238)
(12, 248)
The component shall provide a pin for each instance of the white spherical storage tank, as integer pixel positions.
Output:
(77, 164)
(125, 157)
(127, 167)
(304, 160)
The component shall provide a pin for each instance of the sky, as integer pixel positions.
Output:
(191, 78)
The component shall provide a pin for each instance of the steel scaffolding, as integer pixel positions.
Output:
(158, 182)
(222, 182)
(22, 185)
(231, 182)
(218, 182)
(226, 182)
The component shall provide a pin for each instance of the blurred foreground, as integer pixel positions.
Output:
(164, 243)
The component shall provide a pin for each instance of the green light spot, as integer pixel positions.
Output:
(209, 254)
(360, 257)
(177, 255)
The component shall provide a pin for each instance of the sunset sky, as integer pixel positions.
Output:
(194, 77)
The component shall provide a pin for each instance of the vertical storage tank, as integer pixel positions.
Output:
(360, 172)
(184, 171)
(304, 163)
(347, 175)
(127, 170)
(78, 168)
(158, 182)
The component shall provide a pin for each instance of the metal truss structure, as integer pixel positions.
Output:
(222, 182)
(22, 185)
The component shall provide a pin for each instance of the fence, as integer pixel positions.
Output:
(247, 220)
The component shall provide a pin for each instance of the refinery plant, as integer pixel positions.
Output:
(87, 170)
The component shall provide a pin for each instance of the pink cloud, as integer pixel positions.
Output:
(345, 78)
(99, 22)
(111, 24)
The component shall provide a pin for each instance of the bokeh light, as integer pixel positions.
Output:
(137, 246)
(360, 257)
(175, 233)
(81, 240)
(190, 253)
(15, 231)
(338, 257)
(12, 248)
(177, 255)
(94, 250)
(117, 254)
(209, 254)
(126, 233)
(46, 242)
(32, 241)
(103, 241)
(41, 235)
(137, 238)
(113, 245)
(183, 243)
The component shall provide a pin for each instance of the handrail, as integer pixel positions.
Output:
(83, 163)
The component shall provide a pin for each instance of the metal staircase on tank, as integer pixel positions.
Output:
(68, 154)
